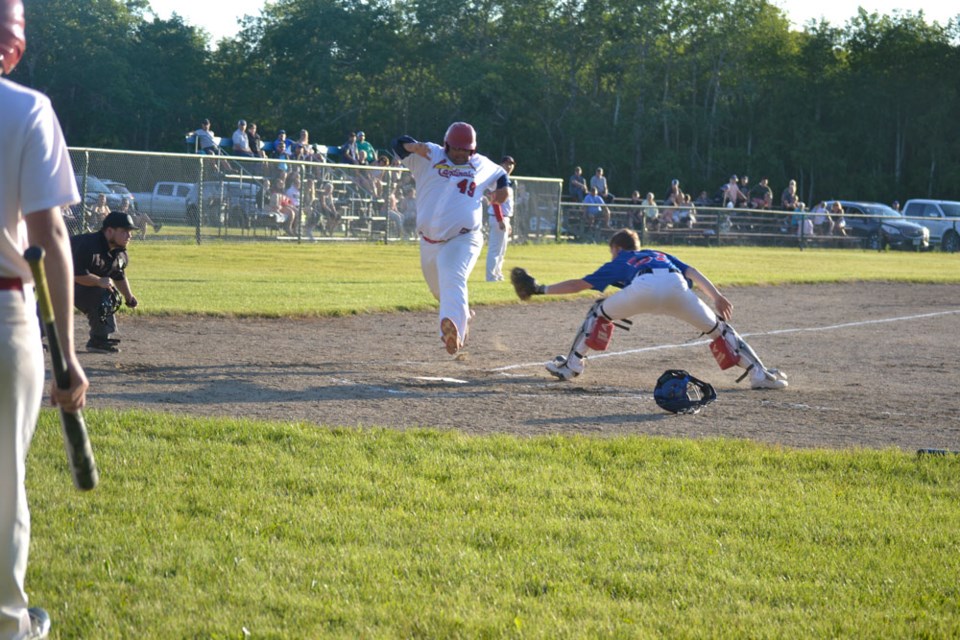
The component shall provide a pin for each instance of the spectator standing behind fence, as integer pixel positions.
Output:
(789, 197)
(635, 213)
(500, 229)
(578, 185)
(293, 195)
(99, 212)
(408, 209)
(839, 222)
(205, 140)
(599, 181)
(744, 198)
(761, 197)
(820, 220)
(328, 208)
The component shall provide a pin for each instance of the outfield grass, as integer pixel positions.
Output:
(202, 528)
(274, 279)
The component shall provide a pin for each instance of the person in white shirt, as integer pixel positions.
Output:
(36, 180)
(500, 227)
(451, 181)
(241, 143)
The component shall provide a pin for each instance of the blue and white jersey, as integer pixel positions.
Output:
(621, 271)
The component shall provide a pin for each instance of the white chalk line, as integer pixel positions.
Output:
(698, 343)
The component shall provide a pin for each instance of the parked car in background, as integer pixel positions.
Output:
(94, 187)
(942, 217)
(224, 202)
(881, 226)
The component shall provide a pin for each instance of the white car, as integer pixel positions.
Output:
(942, 217)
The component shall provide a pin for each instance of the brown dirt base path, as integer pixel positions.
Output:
(871, 365)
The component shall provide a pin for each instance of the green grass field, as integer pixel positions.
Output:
(205, 528)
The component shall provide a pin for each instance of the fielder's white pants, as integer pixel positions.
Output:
(21, 391)
(446, 268)
(661, 293)
(497, 249)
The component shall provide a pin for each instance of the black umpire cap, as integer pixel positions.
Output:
(118, 220)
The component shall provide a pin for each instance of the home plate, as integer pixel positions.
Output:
(430, 379)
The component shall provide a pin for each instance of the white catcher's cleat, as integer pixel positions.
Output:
(563, 369)
(767, 379)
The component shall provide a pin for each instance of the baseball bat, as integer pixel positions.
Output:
(75, 438)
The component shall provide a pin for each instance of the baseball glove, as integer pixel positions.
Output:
(679, 392)
(524, 284)
(109, 304)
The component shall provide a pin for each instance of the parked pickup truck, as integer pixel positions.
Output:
(226, 202)
(942, 217)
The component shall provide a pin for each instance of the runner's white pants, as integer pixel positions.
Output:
(446, 268)
(21, 391)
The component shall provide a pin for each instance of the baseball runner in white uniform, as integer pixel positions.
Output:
(36, 179)
(451, 181)
(650, 282)
(500, 227)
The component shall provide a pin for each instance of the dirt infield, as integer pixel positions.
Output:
(870, 365)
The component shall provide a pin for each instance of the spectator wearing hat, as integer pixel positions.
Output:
(99, 267)
(205, 139)
(349, 152)
(366, 154)
(241, 143)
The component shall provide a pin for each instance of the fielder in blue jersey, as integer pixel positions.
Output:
(654, 282)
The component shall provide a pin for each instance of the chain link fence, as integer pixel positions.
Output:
(198, 196)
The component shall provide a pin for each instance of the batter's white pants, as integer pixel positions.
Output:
(446, 267)
(661, 293)
(21, 391)
(497, 249)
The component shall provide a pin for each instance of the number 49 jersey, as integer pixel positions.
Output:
(449, 196)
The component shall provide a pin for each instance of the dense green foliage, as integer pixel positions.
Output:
(650, 90)
(211, 528)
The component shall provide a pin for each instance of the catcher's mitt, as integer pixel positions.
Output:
(109, 304)
(679, 392)
(525, 284)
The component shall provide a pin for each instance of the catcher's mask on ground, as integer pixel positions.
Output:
(679, 392)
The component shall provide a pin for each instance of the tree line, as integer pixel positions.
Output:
(648, 89)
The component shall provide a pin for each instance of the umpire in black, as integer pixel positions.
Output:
(99, 264)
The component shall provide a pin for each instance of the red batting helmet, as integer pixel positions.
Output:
(461, 135)
(12, 39)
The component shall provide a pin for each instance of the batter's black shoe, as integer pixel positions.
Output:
(103, 346)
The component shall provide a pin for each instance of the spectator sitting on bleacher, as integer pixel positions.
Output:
(281, 146)
(761, 197)
(703, 200)
(408, 209)
(280, 205)
(349, 153)
(328, 208)
(293, 195)
(302, 149)
(651, 214)
(635, 212)
(789, 197)
(205, 139)
(256, 142)
(744, 198)
(687, 214)
(366, 154)
(731, 193)
(391, 209)
(599, 181)
(595, 209)
(241, 143)
(578, 185)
